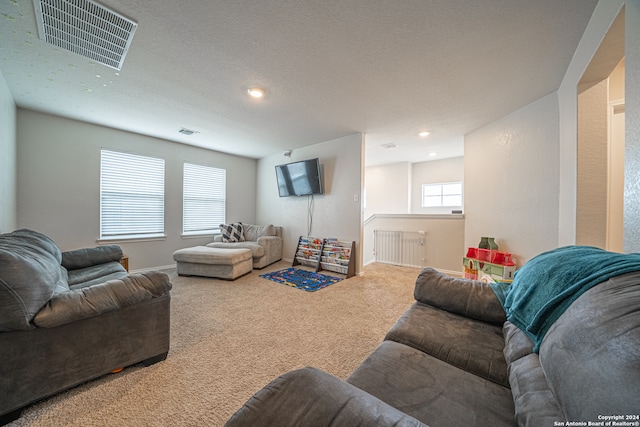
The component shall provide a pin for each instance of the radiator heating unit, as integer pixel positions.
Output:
(406, 248)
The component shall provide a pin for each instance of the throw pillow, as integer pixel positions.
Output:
(232, 232)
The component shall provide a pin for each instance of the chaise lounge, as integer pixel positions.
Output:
(559, 345)
(69, 317)
(264, 241)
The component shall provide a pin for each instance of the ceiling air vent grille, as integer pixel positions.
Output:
(86, 28)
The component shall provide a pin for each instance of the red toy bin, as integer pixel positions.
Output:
(484, 254)
(497, 257)
(502, 258)
(472, 253)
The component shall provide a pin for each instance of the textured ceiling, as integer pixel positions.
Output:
(388, 68)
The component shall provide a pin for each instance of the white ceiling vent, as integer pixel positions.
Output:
(86, 28)
(388, 146)
(188, 132)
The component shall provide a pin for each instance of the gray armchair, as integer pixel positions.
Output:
(70, 317)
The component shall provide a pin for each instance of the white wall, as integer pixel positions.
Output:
(59, 183)
(444, 244)
(603, 16)
(511, 180)
(592, 188)
(394, 194)
(605, 13)
(8, 209)
(337, 213)
(434, 172)
(387, 189)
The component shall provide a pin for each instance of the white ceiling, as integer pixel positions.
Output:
(387, 68)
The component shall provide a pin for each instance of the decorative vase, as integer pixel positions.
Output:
(484, 243)
(492, 244)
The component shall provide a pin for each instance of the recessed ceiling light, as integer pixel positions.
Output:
(424, 133)
(433, 154)
(255, 92)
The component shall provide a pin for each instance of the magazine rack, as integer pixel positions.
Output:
(326, 254)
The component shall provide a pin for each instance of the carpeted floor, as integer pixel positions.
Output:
(228, 339)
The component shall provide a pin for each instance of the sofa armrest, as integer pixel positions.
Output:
(98, 299)
(87, 257)
(310, 397)
(470, 298)
(270, 243)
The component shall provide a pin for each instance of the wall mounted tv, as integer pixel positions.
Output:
(299, 178)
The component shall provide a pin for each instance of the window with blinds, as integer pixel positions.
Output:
(131, 196)
(204, 199)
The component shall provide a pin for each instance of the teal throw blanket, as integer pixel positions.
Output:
(547, 285)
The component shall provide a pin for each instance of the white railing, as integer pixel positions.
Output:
(406, 248)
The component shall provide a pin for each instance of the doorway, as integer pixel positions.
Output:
(600, 156)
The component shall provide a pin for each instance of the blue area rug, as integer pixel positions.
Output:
(301, 279)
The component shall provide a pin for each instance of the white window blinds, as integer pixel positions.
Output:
(204, 199)
(131, 196)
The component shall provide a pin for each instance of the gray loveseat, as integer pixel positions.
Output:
(454, 359)
(264, 241)
(69, 317)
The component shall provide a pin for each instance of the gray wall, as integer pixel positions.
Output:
(8, 200)
(632, 131)
(337, 213)
(59, 183)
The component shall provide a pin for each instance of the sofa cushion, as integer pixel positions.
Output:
(88, 257)
(535, 404)
(257, 250)
(232, 232)
(211, 255)
(434, 392)
(311, 397)
(252, 232)
(470, 298)
(94, 300)
(590, 355)
(517, 343)
(30, 274)
(93, 275)
(468, 344)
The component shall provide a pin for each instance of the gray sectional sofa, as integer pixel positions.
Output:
(69, 317)
(264, 241)
(456, 357)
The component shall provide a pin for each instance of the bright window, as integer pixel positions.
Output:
(131, 196)
(439, 195)
(204, 199)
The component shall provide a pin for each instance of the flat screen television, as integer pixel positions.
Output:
(299, 178)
